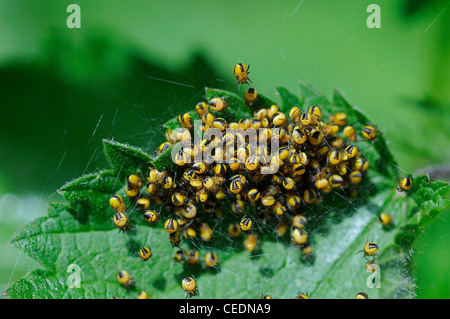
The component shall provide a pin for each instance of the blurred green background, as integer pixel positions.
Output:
(132, 65)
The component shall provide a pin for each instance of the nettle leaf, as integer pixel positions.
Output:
(288, 100)
(385, 163)
(126, 159)
(79, 240)
(164, 160)
(263, 102)
(87, 194)
(376, 152)
(308, 96)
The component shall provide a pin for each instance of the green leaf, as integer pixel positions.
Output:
(164, 160)
(86, 196)
(288, 100)
(263, 102)
(309, 96)
(100, 255)
(384, 163)
(126, 159)
(37, 284)
(334, 266)
(81, 233)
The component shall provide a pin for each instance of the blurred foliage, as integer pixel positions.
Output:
(64, 90)
(431, 260)
(413, 7)
(63, 122)
(15, 213)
